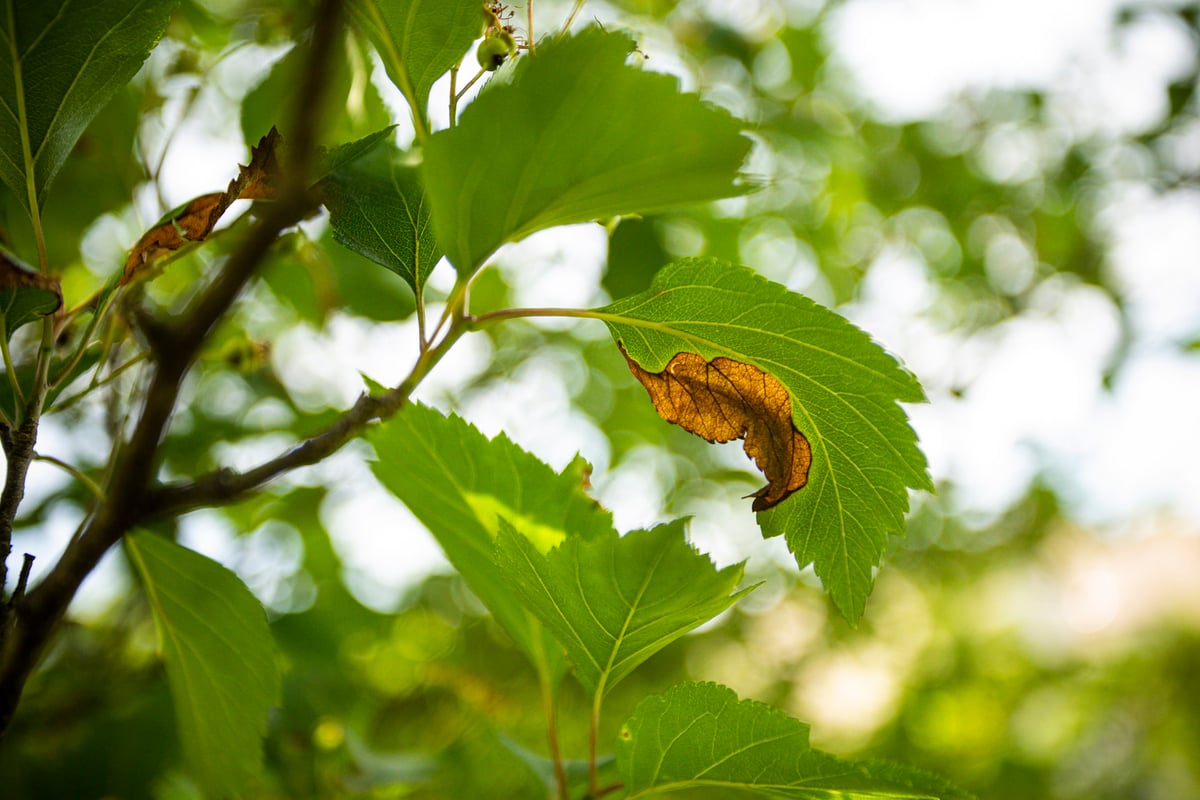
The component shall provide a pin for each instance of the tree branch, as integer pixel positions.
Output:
(44, 605)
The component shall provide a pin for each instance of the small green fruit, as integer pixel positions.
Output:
(495, 50)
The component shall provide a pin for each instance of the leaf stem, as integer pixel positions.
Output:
(463, 91)
(74, 472)
(85, 340)
(550, 710)
(493, 317)
(571, 18)
(529, 15)
(26, 146)
(96, 384)
(18, 394)
(593, 735)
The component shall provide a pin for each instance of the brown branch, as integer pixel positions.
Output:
(227, 486)
(44, 606)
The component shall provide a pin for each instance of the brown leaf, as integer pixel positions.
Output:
(722, 400)
(195, 221)
(14, 274)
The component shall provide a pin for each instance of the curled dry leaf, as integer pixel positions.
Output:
(194, 221)
(722, 400)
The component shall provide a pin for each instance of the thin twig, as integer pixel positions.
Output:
(74, 472)
(22, 579)
(18, 395)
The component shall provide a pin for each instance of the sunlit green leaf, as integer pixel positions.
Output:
(613, 601)
(60, 62)
(418, 40)
(576, 136)
(461, 485)
(700, 736)
(220, 659)
(844, 390)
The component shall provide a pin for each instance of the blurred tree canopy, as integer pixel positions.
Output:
(1022, 648)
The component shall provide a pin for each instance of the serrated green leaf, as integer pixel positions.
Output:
(844, 390)
(377, 209)
(461, 484)
(219, 655)
(419, 40)
(60, 62)
(613, 601)
(700, 736)
(567, 156)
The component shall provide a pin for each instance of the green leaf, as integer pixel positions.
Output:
(26, 295)
(335, 158)
(581, 137)
(844, 390)
(219, 655)
(419, 40)
(377, 209)
(613, 601)
(699, 736)
(60, 63)
(461, 484)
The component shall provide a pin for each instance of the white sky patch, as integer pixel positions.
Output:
(1156, 260)
(911, 57)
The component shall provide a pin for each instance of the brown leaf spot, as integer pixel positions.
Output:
(257, 180)
(722, 400)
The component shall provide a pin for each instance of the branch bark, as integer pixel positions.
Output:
(33, 621)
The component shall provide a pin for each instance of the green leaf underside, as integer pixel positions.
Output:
(548, 149)
(613, 601)
(419, 40)
(219, 655)
(26, 304)
(460, 485)
(377, 209)
(62, 64)
(844, 391)
(699, 735)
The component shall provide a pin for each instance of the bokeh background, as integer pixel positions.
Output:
(1004, 193)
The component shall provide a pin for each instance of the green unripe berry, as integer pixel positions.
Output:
(495, 50)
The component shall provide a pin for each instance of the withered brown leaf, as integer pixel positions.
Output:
(196, 220)
(722, 400)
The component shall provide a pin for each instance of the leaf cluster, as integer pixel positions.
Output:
(816, 400)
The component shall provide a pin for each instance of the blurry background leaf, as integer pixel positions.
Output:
(220, 659)
(354, 107)
(567, 157)
(635, 253)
